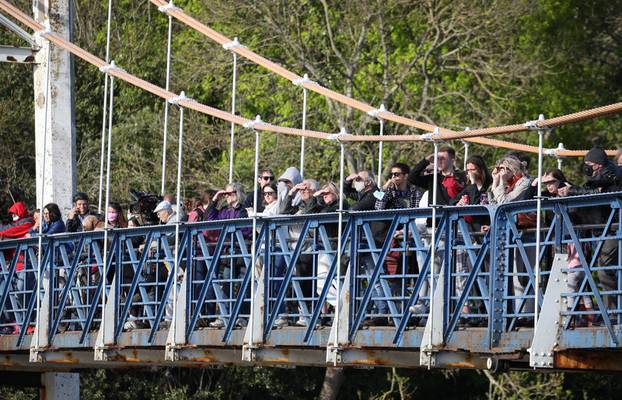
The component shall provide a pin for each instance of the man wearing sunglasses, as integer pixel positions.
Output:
(266, 177)
(397, 192)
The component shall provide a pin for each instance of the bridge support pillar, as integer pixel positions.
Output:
(550, 322)
(339, 333)
(60, 146)
(39, 342)
(433, 333)
(60, 386)
(176, 338)
(106, 334)
(253, 337)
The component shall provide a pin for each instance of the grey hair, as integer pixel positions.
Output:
(239, 191)
(313, 184)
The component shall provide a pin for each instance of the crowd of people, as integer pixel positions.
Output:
(405, 187)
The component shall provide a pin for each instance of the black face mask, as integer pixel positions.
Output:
(588, 170)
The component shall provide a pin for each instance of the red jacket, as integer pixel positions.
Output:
(18, 229)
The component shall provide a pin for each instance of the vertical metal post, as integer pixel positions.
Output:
(304, 127)
(108, 158)
(538, 224)
(103, 134)
(339, 239)
(466, 150)
(254, 240)
(178, 198)
(232, 134)
(380, 145)
(40, 239)
(433, 245)
(167, 87)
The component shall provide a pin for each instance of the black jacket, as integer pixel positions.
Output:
(475, 197)
(364, 201)
(75, 224)
(426, 182)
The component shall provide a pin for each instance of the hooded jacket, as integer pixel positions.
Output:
(17, 229)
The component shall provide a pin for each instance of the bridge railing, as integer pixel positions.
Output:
(482, 278)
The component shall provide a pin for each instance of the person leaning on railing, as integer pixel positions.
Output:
(474, 193)
(602, 177)
(510, 182)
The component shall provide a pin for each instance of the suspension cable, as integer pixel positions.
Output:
(230, 46)
(167, 86)
(104, 111)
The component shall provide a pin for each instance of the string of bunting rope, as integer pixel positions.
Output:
(442, 133)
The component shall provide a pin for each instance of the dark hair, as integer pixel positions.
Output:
(403, 167)
(266, 170)
(449, 150)
(117, 207)
(54, 212)
(80, 196)
(557, 174)
(480, 164)
(271, 185)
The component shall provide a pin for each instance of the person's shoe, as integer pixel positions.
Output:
(165, 324)
(301, 322)
(419, 309)
(242, 322)
(202, 323)
(281, 322)
(217, 323)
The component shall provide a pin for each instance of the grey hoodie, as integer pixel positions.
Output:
(293, 175)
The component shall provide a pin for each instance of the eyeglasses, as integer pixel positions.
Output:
(270, 193)
(396, 174)
(267, 178)
(229, 193)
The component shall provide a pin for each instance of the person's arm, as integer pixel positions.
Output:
(74, 224)
(515, 194)
(348, 190)
(416, 176)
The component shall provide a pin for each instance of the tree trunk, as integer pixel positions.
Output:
(332, 383)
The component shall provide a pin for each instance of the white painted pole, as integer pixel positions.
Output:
(232, 134)
(254, 240)
(380, 145)
(538, 224)
(339, 240)
(304, 127)
(178, 200)
(433, 246)
(108, 158)
(105, 108)
(167, 86)
(40, 239)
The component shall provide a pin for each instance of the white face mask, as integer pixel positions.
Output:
(15, 217)
(358, 186)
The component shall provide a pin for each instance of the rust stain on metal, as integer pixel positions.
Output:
(589, 359)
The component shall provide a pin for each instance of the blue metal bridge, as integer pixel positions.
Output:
(108, 298)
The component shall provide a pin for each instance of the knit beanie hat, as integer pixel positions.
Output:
(597, 155)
